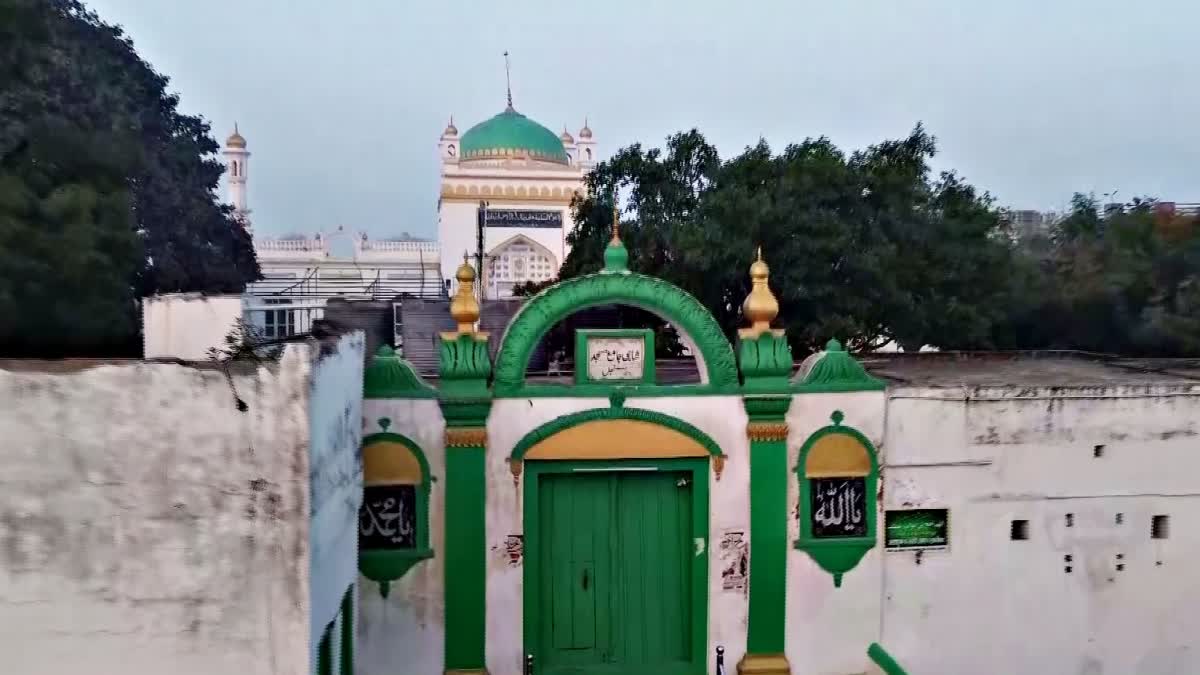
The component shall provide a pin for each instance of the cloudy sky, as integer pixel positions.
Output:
(342, 102)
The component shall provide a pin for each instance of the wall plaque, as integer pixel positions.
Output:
(603, 356)
(523, 218)
(916, 529)
(839, 507)
(387, 519)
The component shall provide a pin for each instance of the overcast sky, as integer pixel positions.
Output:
(342, 103)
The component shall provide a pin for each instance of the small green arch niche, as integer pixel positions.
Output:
(838, 471)
(715, 355)
(393, 521)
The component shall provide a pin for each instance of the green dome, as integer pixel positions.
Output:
(511, 134)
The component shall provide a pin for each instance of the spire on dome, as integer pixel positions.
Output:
(566, 136)
(235, 139)
(451, 130)
(586, 131)
(508, 80)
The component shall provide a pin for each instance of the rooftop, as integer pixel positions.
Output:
(1039, 369)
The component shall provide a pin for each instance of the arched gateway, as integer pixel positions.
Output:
(601, 525)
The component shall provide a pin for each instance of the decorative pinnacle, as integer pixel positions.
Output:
(463, 306)
(760, 307)
(616, 258)
(508, 79)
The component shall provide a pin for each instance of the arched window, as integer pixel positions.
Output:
(234, 169)
(450, 150)
(589, 153)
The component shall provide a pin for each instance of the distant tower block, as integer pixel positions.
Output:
(237, 160)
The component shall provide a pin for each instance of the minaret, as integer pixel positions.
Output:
(237, 160)
(448, 143)
(586, 147)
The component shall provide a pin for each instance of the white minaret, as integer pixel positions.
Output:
(448, 143)
(568, 142)
(237, 160)
(586, 148)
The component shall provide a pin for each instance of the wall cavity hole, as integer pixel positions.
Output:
(1097, 451)
(1070, 520)
(1019, 531)
(1120, 518)
(1160, 527)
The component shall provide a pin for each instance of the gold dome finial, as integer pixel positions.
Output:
(463, 306)
(616, 226)
(760, 307)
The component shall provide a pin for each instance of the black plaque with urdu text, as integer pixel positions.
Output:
(838, 507)
(523, 218)
(388, 517)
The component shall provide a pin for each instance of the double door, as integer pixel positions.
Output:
(615, 569)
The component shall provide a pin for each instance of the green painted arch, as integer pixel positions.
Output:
(552, 305)
(564, 422)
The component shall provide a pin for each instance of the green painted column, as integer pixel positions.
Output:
(464, 367)
(349, 623)
(769, 476)
(466, 548)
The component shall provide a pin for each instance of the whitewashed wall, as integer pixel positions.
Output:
(990, 604)
(147, 525)
(335, 478)
(408, 627)
(186, 325)
(829, 628)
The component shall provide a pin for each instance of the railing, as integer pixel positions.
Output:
(279, 319)
(317, 245)
(384, 246)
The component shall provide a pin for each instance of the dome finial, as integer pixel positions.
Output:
(760, 307)
(616, 225)
(464, 308)
(616, 257)
(508, 80)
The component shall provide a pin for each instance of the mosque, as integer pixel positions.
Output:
(504, 201)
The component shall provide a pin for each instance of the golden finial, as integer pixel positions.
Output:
(463, 306)
(760, 307)
(616, 226)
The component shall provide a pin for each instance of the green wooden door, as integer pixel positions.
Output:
(616, 585)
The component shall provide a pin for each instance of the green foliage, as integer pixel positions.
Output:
(868, 247)
(108, 191)
(1123, 282)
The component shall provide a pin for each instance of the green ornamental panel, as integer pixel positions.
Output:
(666, 300)
(838, 472)
(393, 520)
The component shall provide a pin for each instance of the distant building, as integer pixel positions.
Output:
(1026, 223)
(509, 181)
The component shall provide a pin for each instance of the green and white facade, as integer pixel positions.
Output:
(606, 526)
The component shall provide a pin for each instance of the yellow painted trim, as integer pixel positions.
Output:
(837, 455)
(617, 439)
(390, 463)
(764, 664)
(508, 194)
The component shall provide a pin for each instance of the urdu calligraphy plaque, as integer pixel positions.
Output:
(616, 358)
(839, 507)
(388, 517)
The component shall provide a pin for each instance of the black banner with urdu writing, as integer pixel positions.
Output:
(523, 218)
(388, 517)
(839, 507)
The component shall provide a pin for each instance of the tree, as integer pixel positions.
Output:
(1124, 282)
(77, 106)
(866, 247)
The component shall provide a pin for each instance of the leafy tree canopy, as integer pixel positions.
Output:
(868, 247)
(107, 191)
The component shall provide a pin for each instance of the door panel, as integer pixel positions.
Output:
(654, 572)
(616, 574)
